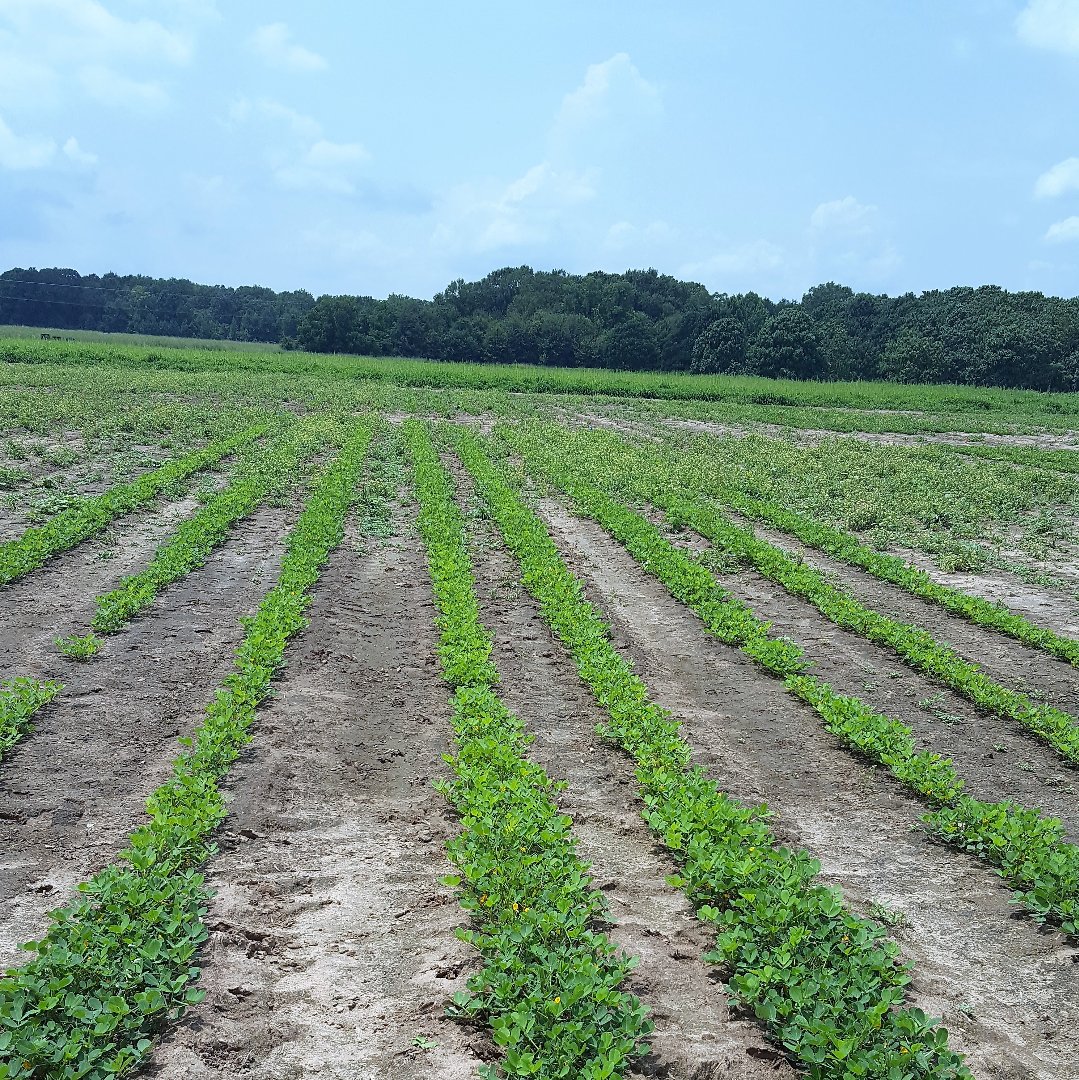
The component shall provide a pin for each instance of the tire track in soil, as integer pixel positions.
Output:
(332, 942)
(997, 758)
(696, 1037)
(75, 788)
(1005, 989)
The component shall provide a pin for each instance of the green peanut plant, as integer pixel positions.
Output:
(119, 962)
(20, 698)
(549, 987)
(1028, 850)
(827, 985)
(260, 471)
(36, 545)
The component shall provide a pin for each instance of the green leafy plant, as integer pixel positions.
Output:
(549, 987)
(827, 985)
(120, 961)
(79, 648)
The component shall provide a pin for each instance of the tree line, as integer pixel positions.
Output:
(640, 320)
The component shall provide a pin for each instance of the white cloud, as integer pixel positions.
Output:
(846, 215)
(612, 92)
(85, 30)
(325, 166)
(275, 45)
(1062, 177)
(111, 88)
(848, 237)
(74, 152)
(242, 110)
(309, 161)
(1050, 24)
(527, 210)
(756, 257)
(1063, 232)
(24, 152)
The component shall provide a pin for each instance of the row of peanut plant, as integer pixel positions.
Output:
(1027, 849)
(20, 699)
(36, 545)
(261, 472)
(645, 476)
(690, 471)
(550, 983)
(827, 984)
(120, 961)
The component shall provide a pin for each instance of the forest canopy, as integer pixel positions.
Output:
(640, 320)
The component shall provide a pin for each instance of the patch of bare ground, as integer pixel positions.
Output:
(74, 789)
(332, 947)
(95, 471)
(1055, 608)
(696, 1037)
(1005, 989)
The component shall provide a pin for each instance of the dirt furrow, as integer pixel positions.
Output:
(1005, 989)
(696, 1038)
(332, 949)
(1055, 608)
(74, 789)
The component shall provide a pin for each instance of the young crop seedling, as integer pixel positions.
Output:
(79, 648)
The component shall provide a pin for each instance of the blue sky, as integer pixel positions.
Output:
(377, 148)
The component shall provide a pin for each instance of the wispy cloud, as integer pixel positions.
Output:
(275, 45)
(1050, 24)
(612, 92)
(109, 87)
(24, 152)
(1062, 177)
(1063, 232)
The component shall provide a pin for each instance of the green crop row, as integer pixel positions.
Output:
(20, 698)
(914, 646)
(827, 984)
(549, 987)
(260, 470)
(70, 527)
(119, 962)
(848, 548)
(648, 478)
(1027, 849)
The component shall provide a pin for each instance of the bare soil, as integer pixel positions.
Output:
(696, 1037)
(1055, 608)
(1005, 989)
(332, 947)
(74, 789)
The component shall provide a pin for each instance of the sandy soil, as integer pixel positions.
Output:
(75, 788)
(1057, 609)
(332, 948)
(1005, 989)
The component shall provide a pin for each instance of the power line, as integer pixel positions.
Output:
(63, 303)
(62, 285)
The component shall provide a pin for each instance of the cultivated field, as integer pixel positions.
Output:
(382, 719)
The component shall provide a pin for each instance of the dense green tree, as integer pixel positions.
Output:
(721, 348)
(637, 320)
